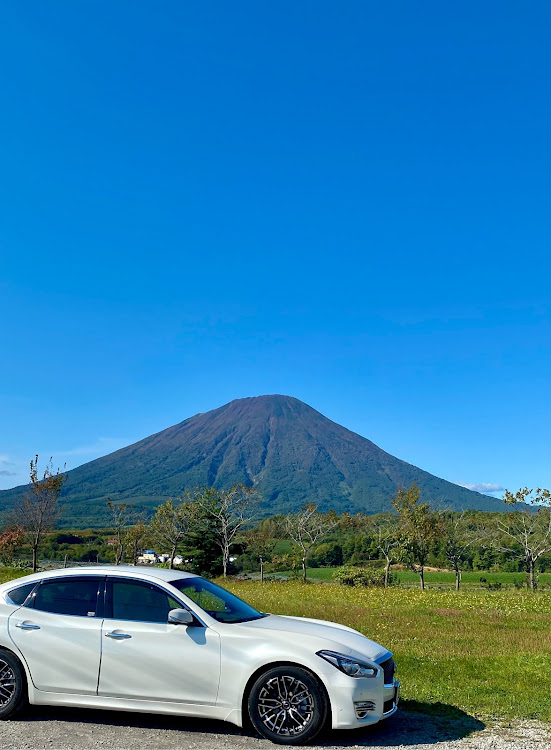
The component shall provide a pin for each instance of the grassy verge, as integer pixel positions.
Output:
(486, 653)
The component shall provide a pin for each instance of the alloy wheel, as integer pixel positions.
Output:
(285, 706)
(8, 683)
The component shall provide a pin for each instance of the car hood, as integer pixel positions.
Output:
(346, 640)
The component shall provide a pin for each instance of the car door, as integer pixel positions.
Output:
(58, 631)
(144, 657)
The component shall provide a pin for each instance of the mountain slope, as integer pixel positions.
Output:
(290, 451)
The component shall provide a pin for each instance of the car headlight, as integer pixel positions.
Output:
(350, 666)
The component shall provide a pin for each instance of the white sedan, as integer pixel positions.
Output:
(163, 641)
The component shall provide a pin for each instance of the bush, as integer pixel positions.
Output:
(329, 554)
(370, 578)
(24, 565)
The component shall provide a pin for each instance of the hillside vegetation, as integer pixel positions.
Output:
(289, 451)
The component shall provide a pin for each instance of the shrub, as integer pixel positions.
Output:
(24, 565)
(370, 578)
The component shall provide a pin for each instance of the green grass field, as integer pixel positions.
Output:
(441, 579)
(484, 652)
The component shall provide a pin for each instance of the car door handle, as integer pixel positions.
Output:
(27, 626)
(118, 636)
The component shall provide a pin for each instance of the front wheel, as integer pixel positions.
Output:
(13, 694)
(287, 705)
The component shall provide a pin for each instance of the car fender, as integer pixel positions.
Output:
(240, 661)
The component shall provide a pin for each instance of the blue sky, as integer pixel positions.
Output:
(344, 202)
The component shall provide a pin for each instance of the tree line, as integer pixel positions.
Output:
(210, 525)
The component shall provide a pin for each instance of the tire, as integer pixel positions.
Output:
(13, 685)
(288, 705)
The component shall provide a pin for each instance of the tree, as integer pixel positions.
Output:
(229, 510)
(134, 541)
(387, 543)
(528, 525)
(418, 526)
(120, 518)
(261, 541)
(460, 533)
(308, 527)
(10, 540)
(172, 524)
(38, 510)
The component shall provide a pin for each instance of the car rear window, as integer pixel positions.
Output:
(19, 594)
(68, 597)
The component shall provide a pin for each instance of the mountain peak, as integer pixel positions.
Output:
(277, 443)
(270, 402)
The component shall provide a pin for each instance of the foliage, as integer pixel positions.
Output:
(203, 554)
(11, 539)
(350, 576)
(133, 541)
(326, 553)
(528, 525)
(261, 542)
(228, 510)
(290, 563)
(418, 526)
(356, 540)
(172, 525)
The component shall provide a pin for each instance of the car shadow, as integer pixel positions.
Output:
(414, 723)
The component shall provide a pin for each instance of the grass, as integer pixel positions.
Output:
(437, 579)
(8, 574)
(484, 652)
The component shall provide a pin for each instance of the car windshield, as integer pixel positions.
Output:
(216, 601)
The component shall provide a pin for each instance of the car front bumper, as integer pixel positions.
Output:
(357, 702)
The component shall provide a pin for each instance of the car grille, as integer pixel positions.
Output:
(388, 667)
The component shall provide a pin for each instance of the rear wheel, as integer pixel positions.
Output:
(13, 689)
(287, 705)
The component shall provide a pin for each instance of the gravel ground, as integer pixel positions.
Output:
(71, 729)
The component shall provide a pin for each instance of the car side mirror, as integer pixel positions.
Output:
(180, 617)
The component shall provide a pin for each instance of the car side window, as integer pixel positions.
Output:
(140, 601)
(66, 596)
(207, 600)
(20, 594)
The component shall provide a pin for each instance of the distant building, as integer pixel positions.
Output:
(148, 557)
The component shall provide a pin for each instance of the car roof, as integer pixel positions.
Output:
(145, 572)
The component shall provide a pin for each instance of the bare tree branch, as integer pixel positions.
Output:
(308, 527)
(39, 510)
